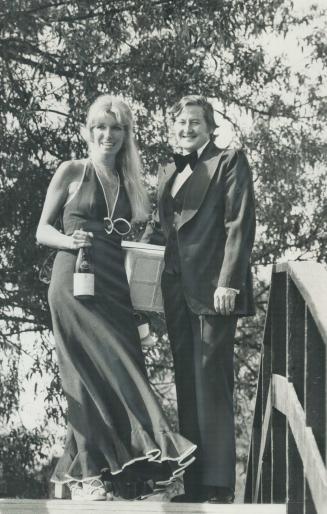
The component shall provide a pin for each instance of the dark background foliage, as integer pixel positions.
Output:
(55, 58)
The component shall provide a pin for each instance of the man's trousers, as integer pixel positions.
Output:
(203, 350)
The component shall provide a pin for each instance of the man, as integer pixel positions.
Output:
(206, 213)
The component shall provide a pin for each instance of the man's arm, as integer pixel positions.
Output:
(239, 223)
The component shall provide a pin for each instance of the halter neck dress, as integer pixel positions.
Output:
(116, 427)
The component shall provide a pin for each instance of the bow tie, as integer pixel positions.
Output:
(181, 161)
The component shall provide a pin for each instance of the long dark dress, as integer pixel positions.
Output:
(115, 424)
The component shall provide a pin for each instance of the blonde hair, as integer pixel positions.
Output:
(128, 158)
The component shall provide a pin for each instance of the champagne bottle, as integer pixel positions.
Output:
(84, 275)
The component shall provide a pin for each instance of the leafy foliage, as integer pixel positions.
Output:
(22, 452)
(57, 56)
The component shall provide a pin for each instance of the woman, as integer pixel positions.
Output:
(116, 428)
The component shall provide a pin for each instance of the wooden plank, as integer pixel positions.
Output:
(256, 431)
(296, 339)
(278, 324)
(315, 472)
(295, 477)
(266, 456)
(257, 434)
(314, 468)
(278, 421)
(311, 280)
(309, 506)
(116, 507)
(263, 442)
(279, 393)
(296, 418)
(266, 473)
(295, 345)
(279, 402)
(248, 490)
(265, 368)
(280, 267)
(253, 456)
(316, 384)
(295, 467)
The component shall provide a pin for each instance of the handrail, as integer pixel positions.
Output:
(310, 279)
(288, 452)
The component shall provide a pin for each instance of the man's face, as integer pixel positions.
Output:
(191, 129)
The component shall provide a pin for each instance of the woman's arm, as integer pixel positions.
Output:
(57, 193)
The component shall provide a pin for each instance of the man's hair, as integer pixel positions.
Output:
(200, 101)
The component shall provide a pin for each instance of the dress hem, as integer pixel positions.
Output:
(150, 456)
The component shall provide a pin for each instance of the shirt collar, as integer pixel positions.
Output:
(200, 150)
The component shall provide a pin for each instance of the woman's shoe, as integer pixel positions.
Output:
(93, 489)
(76, 490)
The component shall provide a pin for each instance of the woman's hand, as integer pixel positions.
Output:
(81, 239)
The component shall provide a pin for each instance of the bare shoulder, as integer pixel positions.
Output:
(69, 171)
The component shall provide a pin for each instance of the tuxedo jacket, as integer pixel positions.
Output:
(216, 229)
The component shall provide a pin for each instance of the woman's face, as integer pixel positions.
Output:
(107, 134)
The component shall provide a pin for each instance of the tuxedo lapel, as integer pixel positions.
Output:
(165, 179)
(164, 186)
(198, 183)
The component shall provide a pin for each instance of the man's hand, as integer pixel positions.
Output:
(224, 300)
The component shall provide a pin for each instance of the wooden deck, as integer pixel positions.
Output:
(140, 507)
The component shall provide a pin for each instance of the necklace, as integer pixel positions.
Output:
(110, 183)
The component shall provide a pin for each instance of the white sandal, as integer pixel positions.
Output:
(94, 489)
(76, 490)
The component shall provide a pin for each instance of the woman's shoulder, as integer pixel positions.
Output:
(71, 170)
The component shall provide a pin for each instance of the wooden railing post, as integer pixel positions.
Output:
(294, 368)
(266, 371)
(315, 392)
(257, 431)
(315, 408)
(278, 423)
(258, 483)
(296, 375)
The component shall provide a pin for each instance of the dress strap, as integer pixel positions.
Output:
(79, 184)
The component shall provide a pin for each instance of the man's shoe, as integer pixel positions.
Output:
(221, 495)
(184, 498)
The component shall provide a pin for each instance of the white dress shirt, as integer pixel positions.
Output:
(184, 175)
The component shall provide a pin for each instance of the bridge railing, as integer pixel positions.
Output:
(288, 452)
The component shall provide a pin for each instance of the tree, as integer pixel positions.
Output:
(57, 56)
